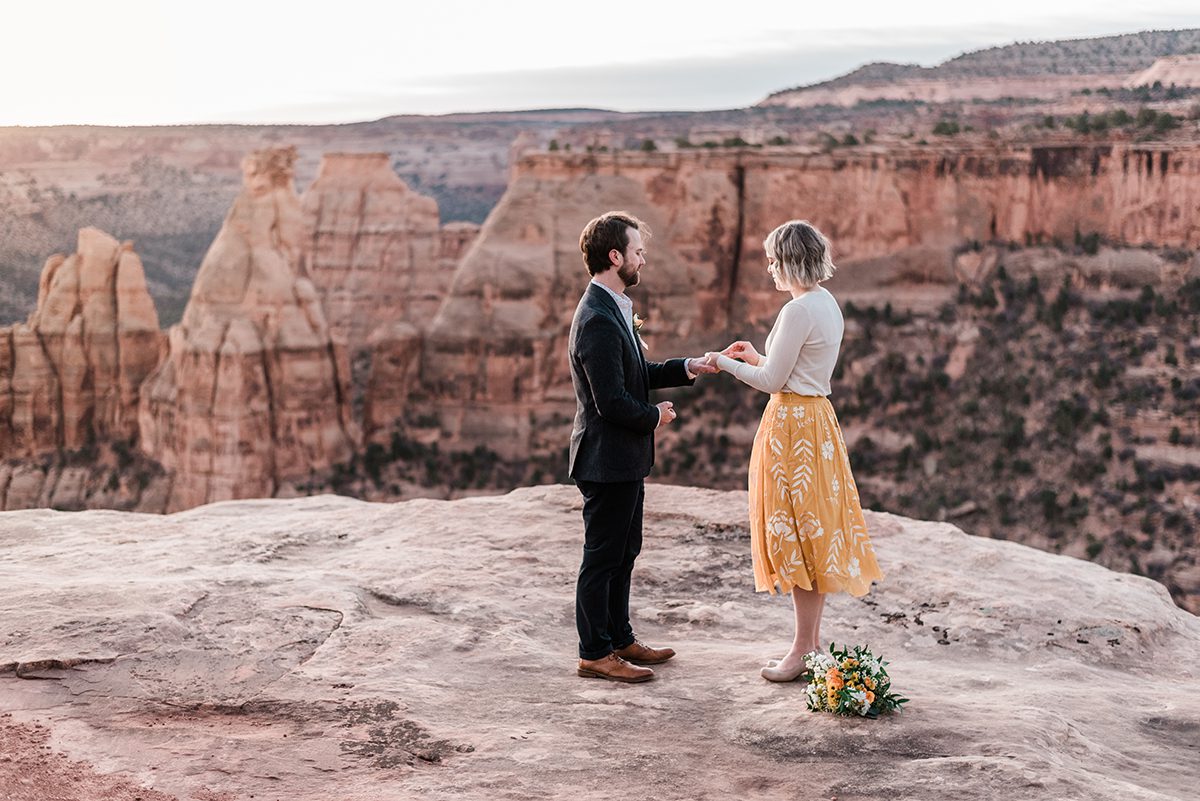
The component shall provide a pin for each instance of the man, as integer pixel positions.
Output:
(612, 444)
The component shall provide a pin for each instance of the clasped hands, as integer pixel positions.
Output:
(707, 365)
(741, 349)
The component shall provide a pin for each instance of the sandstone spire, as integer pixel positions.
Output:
(249, 399)
(375, 246)
(382, 266)
(70, 375)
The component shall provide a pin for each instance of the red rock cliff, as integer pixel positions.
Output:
(496, 351)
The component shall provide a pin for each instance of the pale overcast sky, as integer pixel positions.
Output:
(141, 62)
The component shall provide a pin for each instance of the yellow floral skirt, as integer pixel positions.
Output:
(806, 522)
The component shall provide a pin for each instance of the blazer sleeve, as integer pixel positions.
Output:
(605, 375)
(671, 373)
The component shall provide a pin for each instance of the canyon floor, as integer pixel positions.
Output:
(328, 648)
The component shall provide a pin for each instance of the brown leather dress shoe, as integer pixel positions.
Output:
(639, 653)
(613, 668)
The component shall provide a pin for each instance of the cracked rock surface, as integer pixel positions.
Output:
(327, 648)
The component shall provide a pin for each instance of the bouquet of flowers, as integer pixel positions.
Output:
(850, 681)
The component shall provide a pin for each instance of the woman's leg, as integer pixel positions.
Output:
(808, 606)
(815, 639)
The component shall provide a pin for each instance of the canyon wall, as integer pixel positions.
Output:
(311, 329)
(494, 360)
(495, 355)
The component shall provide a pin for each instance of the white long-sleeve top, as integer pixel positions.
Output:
(802, 348)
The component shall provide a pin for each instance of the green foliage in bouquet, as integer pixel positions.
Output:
(850, 681)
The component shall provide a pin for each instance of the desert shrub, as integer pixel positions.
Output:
(1069, 416)
(1047, 499)
(1165, 122)
(1088, 243)
(1012, 431)
(1103, 375)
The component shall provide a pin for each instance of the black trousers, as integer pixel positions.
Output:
(612, 539)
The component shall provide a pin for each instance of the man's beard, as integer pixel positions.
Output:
(629, 276)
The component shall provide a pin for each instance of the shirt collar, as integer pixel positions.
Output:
(623, 300)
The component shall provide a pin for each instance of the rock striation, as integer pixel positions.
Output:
(376, 246)
(249, 400)
(328, 648)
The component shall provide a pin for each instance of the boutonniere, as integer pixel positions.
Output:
(638, 322)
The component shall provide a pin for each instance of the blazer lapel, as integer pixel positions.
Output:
(605, 301)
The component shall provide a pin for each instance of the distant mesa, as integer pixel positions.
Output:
(1172, 70)
(1029, 70)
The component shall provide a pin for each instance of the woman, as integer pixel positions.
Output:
(807, 533)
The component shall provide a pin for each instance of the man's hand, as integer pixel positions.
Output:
(702, 366)
(666, 413)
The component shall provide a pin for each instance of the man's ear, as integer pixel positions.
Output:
(614, 262)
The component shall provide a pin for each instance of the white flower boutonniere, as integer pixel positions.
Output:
(638, 322)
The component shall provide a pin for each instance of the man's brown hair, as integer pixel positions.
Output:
(608, 232)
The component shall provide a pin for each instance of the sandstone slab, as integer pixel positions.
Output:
(328, 648)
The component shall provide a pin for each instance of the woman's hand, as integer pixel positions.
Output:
(743, 350)
(710, 358)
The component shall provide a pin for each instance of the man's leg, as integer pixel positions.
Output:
(620, 631)
(608, 512)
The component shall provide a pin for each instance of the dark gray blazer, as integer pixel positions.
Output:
(613, 437)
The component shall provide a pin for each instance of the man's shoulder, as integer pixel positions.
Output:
(590, 318)
(590, 309)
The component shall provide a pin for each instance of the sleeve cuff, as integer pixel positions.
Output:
(729, 365)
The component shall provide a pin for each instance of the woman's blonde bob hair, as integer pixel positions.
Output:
(801, 253)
